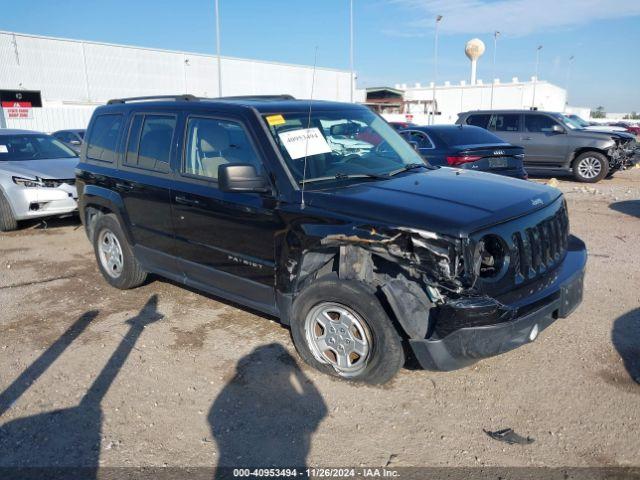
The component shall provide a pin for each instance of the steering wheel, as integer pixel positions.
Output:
(380, 148)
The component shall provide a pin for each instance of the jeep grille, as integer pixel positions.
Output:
(541, 247)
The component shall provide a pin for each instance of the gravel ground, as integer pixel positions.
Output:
(164, 376)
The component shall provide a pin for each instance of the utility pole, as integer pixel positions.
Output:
(435, 72)
(218, 49)
(496, 34)
(351, 49)
(535, 79)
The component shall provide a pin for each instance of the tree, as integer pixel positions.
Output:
(598, 113)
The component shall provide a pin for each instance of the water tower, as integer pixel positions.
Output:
(474, 50)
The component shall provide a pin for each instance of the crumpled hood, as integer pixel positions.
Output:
(447, 200)
(55, 168)
(602, 135)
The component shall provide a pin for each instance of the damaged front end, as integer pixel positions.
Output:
(456, 299)
(428, 279)
(623, 154)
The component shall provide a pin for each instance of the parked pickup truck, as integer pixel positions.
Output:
(365, 255)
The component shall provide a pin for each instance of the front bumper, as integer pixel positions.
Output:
(42, 202)
(465, 346)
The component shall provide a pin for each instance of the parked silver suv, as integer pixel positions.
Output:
(37, 177)
(553, 143)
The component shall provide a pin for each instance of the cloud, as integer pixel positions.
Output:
(514, 17)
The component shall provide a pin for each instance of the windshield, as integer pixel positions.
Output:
(341, 144)
(568, 122)
(32, 147)
(577, 121)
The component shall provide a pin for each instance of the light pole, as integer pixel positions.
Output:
(566, 102)
(435, 72)
(535, 79)
(351, 47)
(496, 34)
(218, 50)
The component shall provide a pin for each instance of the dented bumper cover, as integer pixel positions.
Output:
(493, 327)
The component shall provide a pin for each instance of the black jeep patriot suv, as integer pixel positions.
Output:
(367, 252)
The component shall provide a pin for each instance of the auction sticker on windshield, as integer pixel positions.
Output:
(305, 142)
(4, 149)
(275, 120)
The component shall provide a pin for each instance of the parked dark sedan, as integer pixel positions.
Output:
(466, 146)
(71, 138)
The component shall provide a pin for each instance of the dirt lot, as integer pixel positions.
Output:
(161, 375)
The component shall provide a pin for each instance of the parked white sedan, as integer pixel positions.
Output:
(37, 177)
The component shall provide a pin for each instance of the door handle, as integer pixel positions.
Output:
(526, 138)
(124, 186)
(188, 201)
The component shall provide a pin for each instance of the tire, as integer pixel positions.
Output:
(113, 253)
(7, 220)
(590, 167)
(357, 317)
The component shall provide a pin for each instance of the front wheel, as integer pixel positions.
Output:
(115, 257)
(590, 167)
(340, 328)
(7, 220)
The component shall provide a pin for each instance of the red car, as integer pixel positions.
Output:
(635, 129)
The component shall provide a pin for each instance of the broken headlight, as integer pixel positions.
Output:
(28, 182)
(441, 257)
(493, 257)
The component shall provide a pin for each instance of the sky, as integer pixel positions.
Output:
(394, 39)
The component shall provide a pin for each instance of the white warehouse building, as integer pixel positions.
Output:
(440, 104)
(415, 103)
(71, 77)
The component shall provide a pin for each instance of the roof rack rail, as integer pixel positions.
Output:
(177, 98)
(258, 97)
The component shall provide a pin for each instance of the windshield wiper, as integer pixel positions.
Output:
(406, 168)
(344, 176)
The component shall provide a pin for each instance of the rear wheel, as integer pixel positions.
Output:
(340, 328)
(590, 167)
(7, 220)
(115, 256)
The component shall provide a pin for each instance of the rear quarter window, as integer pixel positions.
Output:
(479, 120)
(103, 137)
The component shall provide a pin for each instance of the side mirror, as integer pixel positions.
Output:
(557, 129)
(240, 177)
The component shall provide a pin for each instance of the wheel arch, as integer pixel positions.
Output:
(96, 201)
(579, 151)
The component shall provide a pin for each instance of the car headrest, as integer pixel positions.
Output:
(212, 138)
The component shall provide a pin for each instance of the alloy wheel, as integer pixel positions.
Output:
(110, 253)
(338, 336)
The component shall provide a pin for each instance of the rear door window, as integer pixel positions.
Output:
(479, 120)
(149, 142)
(103, 138)
(538, 123)
(509, 122)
